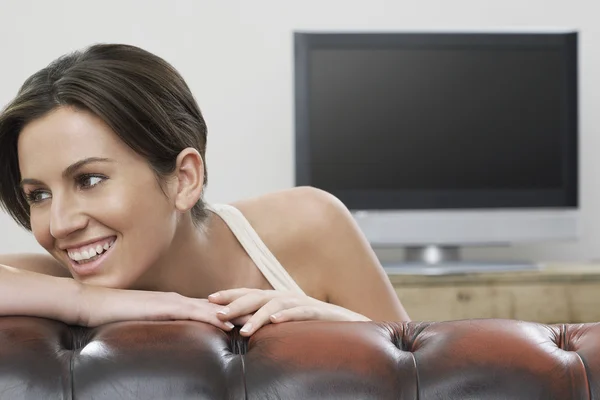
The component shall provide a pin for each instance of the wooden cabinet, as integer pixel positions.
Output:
(557, 293)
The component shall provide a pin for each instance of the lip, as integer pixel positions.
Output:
(83, 244)
(93, 267)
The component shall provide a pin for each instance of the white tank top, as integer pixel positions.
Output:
(266, 262)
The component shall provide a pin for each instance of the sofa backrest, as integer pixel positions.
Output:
(470, 359)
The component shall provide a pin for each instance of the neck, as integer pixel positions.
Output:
(193, 264)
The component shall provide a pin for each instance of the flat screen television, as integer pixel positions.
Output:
(436, 140)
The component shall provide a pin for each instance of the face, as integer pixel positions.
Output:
(96, 205)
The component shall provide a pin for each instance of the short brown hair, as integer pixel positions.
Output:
(143, 99)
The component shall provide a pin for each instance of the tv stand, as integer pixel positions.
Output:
(432, 254)
(446, 260)
(557, 292)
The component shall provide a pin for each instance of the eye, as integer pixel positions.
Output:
(88, 181)
(37, 196)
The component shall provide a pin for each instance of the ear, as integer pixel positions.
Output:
(190, 179)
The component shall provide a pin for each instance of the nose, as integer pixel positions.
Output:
(65, 217)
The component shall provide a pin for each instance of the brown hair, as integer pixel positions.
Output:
(143, 99)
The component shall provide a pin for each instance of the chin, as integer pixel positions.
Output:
(105, 281)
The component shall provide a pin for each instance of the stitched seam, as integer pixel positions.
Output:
(72, 397)
(244, 376)
(416, 375)
(564, 345)
(587, 377)
(403, 345)
(405, 328)
(71, 361)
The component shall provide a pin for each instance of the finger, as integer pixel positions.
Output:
(212, 319)
(203, 311)
(241, 321)
(262, 316)
(300, 313)
(245, 305)
(229, 295)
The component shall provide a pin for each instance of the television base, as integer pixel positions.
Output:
(432, 254)
(457, 267)
(446, 260)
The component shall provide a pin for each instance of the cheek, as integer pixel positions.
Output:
(40, 228)
(134, 206)
(145, 218)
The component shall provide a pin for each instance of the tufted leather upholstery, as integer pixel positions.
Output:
(470, 359)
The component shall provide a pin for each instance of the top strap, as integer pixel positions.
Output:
(264, 259)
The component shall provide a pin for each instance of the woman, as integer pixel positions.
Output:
(103, 160)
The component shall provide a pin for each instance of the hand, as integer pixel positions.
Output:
(272, 306)
(101, 305)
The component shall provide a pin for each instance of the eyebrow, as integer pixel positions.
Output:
(69, 171)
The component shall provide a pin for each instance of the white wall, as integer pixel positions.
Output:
(237, 57)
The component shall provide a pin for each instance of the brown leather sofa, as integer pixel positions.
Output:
(470, 359)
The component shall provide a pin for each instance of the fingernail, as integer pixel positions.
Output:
(223, 311)
(214, 295)
(229, 325)
(246, 328)
(275, 316)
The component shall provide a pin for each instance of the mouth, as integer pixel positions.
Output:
(88, 260)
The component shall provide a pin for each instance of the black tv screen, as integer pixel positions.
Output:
(440, 120)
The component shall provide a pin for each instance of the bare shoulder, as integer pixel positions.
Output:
(299, 226)
(293, 212)
(317, 240)
(41, 263)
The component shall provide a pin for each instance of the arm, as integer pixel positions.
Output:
(352, 275)
(339, 267)
(29, 293)
(334, 253)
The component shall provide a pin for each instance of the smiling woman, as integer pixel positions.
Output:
(103, 160)
(84, 186)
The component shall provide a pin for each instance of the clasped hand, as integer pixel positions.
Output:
(255, 307)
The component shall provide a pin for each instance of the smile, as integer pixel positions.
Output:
(91, 251)
(89, 259)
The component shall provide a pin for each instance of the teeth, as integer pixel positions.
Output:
(91, 252)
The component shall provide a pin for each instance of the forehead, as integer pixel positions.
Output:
(63, 137)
